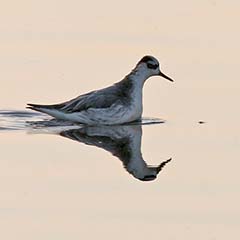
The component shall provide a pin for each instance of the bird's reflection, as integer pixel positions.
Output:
(123, 142)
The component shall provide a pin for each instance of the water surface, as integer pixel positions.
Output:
(66, 181)
(57, 173)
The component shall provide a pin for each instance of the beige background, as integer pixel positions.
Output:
(53, 188)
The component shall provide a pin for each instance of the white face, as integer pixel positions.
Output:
(151, 65)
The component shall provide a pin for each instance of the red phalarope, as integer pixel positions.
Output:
(117, 104)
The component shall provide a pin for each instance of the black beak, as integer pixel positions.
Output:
(165, 76)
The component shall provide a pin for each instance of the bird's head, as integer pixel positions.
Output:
(151, 67)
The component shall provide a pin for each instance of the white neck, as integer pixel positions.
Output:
(139, 75)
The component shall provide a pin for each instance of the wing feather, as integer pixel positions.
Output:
(103, 98)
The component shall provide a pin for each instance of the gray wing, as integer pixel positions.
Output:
(103, 98)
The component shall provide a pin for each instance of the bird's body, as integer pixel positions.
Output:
(124, 142)
(117, 104)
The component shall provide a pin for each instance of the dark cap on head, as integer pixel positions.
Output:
(147, 59)
(153, 65)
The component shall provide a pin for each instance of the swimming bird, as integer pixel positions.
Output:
(124, 142)
(117, 104)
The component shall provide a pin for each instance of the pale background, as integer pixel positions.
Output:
(53, 188)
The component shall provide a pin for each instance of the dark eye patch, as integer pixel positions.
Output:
(152, 66)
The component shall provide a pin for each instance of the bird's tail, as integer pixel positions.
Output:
(38, 107)
(43, 108)
(52, 110)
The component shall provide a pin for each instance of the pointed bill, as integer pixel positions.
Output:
(165, 76)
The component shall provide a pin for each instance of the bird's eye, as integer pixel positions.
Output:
(152, 66)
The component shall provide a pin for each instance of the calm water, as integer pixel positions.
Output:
(173, 179)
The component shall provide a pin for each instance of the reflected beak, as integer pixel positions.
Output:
(165, 76)
(159, 168)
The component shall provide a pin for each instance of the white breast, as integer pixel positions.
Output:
(136, 103)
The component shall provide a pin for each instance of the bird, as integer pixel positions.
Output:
(123, 142)
(114, 105)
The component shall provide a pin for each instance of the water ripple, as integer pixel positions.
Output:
(17, 120)
(20, 120)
